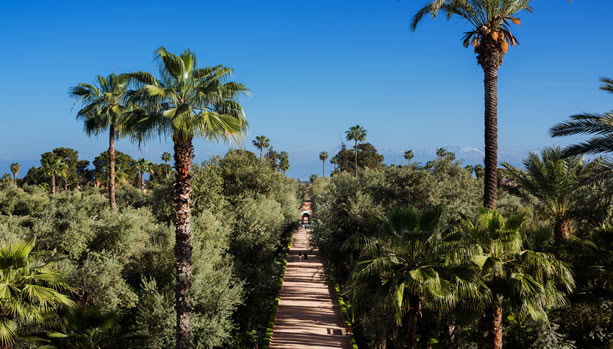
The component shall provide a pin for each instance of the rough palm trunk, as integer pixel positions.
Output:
(491, 138)
(184, 155)
(490, 326)
(52, 184)
(112, 201)
(356, 158)
(14, 178)
(261, 153)
(414, 311)
(65, 184)
(142, 182)
(561, 229)
(323, 168)
(490, 58)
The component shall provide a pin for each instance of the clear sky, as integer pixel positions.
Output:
(314, 67)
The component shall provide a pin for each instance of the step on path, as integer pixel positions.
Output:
(307, 315)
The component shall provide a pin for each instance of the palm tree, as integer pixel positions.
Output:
(105, 107)
(357, 134)
(408, 155)
(404, 259)
(187, 102)
(166, 157)
(261, 142)
(29, 290)
(334, 161)
(143, 166)
(479, 171)
(64, 172)
(554, 181)
(323, 156)
(490, 36)
(598, 125)
(15, 170)
(53, 166)
(284, 161)
(525, 280)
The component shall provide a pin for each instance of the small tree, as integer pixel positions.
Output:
(261, 142)
(408, 155)
(15, 170)
(143, 166)
(166, 157)
(53, 166)
(357, 134)
(284, 162)
(323, 156)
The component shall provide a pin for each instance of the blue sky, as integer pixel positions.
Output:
(315, 68)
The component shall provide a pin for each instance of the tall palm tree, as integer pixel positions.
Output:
(166, 157)
(284, 161)
(525, 280)
(598, 125)
(143, 166)
(187, 102)
(555, 182)
(53, 166)
(323, 156)
(408, 155)
(15, 170)
(261, 142)
(490, 36)
(357, 134)
(105, 107)
(404, 258)
(28, 289)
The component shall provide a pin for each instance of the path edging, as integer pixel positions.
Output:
(345, 315)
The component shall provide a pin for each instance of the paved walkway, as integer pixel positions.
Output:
(307, 316)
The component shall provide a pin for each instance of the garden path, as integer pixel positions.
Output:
(308, 315)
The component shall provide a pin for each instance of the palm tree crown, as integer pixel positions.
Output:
(189, 102)
(166, 157)
(261, 142)
(404, 258)
(28, 290)
(554, 181)
(598, 125)
(523, 279)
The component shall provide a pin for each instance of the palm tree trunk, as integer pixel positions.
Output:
(414, 310)
(490, 327)
(561, 229)
(52, 184)
(356, 158)
(15, 179)
(65, 184)
(261, 153)
(323, 168)
(112, 201)
(142, 182)
(184, 154)
(490, 192)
